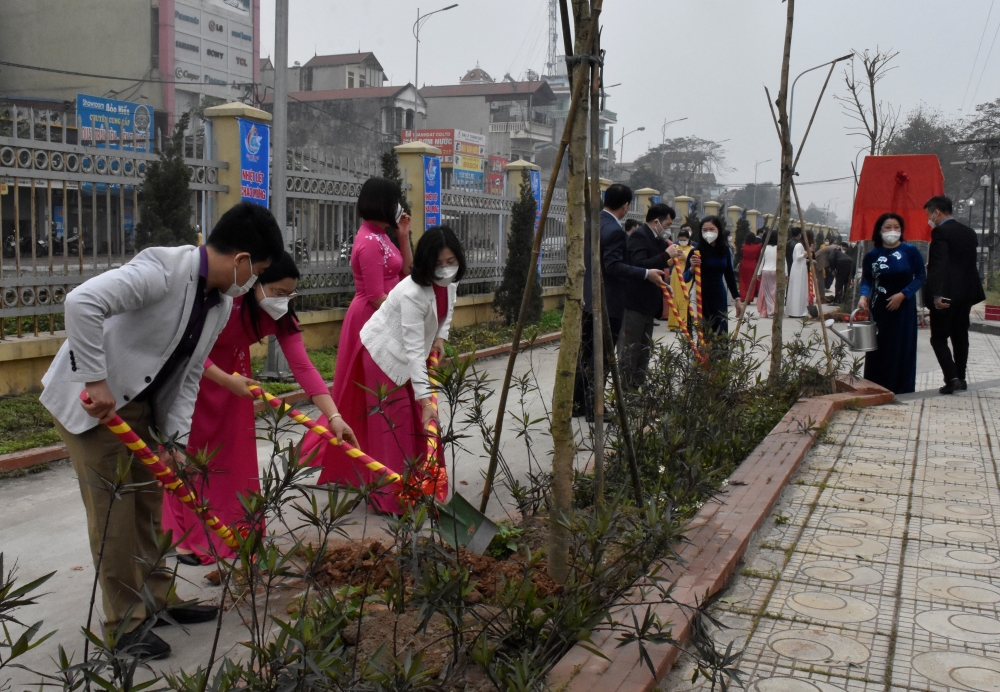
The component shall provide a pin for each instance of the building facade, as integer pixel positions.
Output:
(169, 54)
(351, 122)
(329, 73)
(513, 116)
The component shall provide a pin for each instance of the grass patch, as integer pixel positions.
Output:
(24, 424)
(479, 336)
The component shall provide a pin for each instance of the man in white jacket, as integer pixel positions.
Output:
(136, 340)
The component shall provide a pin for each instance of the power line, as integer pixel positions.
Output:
(985, 63)
(73, 73)
(972, 73)
(808, 182)
(188, 82)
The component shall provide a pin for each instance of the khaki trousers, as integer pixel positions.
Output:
(130, 564)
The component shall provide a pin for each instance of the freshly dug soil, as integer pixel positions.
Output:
(368, 563)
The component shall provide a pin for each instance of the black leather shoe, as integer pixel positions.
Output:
(146, 647)
(952, 386)
(963, 385)
(190, 615)
(189, 559)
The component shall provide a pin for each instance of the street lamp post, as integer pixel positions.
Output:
(754, 206)
(416, 34)
(663, 130)
(971, 202)
(621, 141)
(791, 102)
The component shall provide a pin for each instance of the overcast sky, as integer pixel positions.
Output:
(707, 60)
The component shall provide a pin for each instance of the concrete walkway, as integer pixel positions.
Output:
(881, 568)
(42, 522)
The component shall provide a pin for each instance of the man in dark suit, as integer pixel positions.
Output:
(952, 288)
(618, 275)
(794, 236)
(647, 248)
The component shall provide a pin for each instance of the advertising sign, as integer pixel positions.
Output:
(432, 191)
(468, 163)
(255, 141)
(467, 179)
(451, 143)
(536, 192)
(106, 123)
(494, 174)
(442, 139)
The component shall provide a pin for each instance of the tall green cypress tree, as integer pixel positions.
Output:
(165, 210)
(507, 299)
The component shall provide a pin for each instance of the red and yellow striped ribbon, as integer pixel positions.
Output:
(699, 315)
(325, 433)
(165, 475)
(430, 477)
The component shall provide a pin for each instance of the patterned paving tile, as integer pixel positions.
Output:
(892, 535)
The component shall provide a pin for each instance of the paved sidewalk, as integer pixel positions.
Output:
(881, 568)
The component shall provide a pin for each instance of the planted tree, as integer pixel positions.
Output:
(876, 120)
(507, 300)
(165, 212)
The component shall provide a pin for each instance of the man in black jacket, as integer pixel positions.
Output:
(794, 237)
(647, 248)
(952, 288)
(617, 275)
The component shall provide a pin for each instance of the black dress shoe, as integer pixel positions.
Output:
(190, 615)
(144, 645)
(189, 559)
(952, 386)
(963, 385)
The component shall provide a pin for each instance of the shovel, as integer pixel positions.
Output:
(474, 529)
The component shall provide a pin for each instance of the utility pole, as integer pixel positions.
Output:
(275, 365)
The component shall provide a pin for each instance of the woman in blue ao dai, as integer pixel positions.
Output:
(891, 274)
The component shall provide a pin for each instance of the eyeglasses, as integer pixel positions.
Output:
(278, 293)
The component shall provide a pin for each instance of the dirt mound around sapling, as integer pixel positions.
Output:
(370, 563)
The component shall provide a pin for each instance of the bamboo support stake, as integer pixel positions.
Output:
(536, 246)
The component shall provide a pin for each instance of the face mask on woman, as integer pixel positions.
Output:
(891, 237)
(275, 306)
(709, 236)
(445, 275)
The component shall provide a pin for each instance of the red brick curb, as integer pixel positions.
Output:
(42, 455)
(15, 461)
(718, 537)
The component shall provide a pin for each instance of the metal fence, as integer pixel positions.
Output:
(67, 212)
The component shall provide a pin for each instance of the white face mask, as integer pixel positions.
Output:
(683, 241)
(276, 306)
(709, 236)
(890, 238)
(236, 290)
(445, 275)
(930, 222)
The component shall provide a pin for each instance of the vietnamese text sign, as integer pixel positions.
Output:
(468, 163)
(255, 141)
(432, 191)
(442, 139)
(106, 123)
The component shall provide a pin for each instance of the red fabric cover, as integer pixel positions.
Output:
(900, 184)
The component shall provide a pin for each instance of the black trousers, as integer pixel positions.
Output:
(635, 348)
(952, 323)
(583, 386)
(845, 274)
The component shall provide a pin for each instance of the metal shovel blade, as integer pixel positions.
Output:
(461, 521)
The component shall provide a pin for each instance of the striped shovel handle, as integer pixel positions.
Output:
(165, 475)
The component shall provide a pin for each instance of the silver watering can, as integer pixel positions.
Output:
(860, 335)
